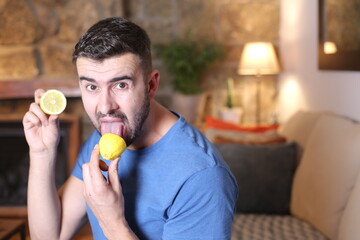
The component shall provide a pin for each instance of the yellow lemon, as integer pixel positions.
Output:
(53, 102)
(111, 146)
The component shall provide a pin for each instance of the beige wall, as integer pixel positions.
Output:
(302, 85)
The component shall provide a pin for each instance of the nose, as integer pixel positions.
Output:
(107, 103)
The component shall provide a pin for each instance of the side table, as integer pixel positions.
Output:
(9, 227)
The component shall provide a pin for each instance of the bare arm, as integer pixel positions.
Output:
(44, 206)
(43, 201)
(73, 207)
(48, 216)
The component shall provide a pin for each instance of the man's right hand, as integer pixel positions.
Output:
(41, 130)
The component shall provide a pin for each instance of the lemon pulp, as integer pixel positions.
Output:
(53, 102)
(111, 146)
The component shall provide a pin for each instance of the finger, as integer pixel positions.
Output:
(30, 120)
(54, 121)
(114, 175)
(37, 94)
(36, 110)
(94, 168)
(86, 179)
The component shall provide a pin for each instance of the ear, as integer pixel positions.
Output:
(153, 83)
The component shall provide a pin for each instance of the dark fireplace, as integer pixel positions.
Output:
(14, 159)
(15, 98)
(14, 163)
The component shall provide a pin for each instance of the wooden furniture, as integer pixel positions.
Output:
(11, 227)
(25, 89)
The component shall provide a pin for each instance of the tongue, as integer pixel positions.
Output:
(112, 127)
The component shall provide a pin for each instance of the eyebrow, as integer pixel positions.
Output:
(116, 79)
(86, 79)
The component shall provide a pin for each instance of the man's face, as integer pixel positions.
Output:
(114, 94)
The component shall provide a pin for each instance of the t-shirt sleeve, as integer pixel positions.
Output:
(204, 207)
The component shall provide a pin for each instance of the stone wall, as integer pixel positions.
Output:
(37, 38)
(230, 22)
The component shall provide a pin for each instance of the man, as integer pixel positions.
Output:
(170, 183)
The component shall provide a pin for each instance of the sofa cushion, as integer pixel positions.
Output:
(299, 127)
(327, 172)
(264, 175)
(349, 225)
(262, 227)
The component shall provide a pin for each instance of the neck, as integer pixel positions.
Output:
(157, 124)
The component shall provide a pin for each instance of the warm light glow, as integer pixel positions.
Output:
(258, 58)
(330, 47)
(291, 96)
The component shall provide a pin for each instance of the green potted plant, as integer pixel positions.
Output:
(186, 60)
(230, 113)
(230, 93)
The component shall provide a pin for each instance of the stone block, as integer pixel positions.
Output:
(18, 25)
(113, 8)
(233, 53)
(17, 63)
(47, 18)
(47, 2)
(250, 21)
(73, 24)
(216, 75)
(158, 31)
(159, 9)
(134, 9)
(57, 60)
(198, 17)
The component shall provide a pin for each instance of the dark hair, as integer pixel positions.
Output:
(114, 36)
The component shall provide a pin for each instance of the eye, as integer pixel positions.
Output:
(121, 85)
(91, 87)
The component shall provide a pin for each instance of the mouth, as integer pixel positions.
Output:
(112, 125)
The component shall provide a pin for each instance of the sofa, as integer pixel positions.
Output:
(298, 181)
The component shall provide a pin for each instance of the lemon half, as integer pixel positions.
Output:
(111, 146)
(53, 102)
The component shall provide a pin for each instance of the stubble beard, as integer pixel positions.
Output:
(133, 131)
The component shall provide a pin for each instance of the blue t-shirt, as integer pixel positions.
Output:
(178, 188)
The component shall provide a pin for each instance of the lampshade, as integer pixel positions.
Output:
(258, 58)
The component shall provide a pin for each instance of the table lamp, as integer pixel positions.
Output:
(258, 58)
